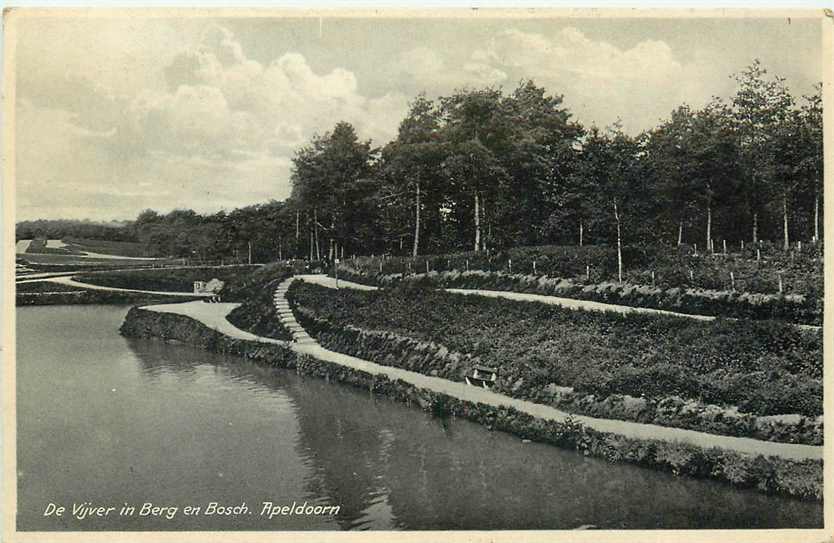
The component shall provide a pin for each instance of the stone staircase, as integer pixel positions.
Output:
(299, 336)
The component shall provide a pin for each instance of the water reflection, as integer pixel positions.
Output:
(143, 420)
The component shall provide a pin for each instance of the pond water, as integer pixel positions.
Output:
(115, 421)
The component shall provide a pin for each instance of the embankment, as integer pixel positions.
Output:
(89, 297)
(800, 479)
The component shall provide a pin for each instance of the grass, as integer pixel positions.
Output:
(40, 287)
(66, 259)
(116, 248)
(168, 280)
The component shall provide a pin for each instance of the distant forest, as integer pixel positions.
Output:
(486, 169)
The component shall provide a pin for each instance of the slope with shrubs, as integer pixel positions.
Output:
(659, 369)
(696, 301)
(682, 266)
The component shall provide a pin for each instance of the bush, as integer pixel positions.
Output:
(763, 368)
(807, 310)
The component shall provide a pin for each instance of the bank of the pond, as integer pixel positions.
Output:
(65, 296)
(796, 478)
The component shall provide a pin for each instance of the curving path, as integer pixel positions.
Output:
(569, 303)
(212, 315)
(70, 282)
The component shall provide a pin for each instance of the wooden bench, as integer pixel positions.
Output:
(482, 376)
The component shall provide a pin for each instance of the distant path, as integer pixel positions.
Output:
(572, 303)
(330, 282)
(22, 246)
(69, 281)
(214, 316)
(569, 303)
(42, 276)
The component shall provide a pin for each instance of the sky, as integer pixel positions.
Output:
(117, 115)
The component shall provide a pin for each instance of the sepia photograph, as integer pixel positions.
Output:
(389, 270)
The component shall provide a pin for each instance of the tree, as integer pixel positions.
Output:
(610, 161)
(477, 132)
(539, 160)
(412, 162)
(323, 176)
(811, 160)
(712, 154)
(759, 106)
(668, 156)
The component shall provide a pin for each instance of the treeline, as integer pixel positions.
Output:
(482, 169)
(66, 228)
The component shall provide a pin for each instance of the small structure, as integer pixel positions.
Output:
(208, 287)
(482, 376)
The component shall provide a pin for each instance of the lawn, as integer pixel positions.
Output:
(116, 248)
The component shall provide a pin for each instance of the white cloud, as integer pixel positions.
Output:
(427, 69)
(219, 132)
(600, 81)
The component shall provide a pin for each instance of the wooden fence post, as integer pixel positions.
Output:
(534, 267)
(732, 281)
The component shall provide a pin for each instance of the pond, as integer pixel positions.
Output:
(120, 422)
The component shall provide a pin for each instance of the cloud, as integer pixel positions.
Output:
(219, 101)
(426, 69)
(219, 131)
(600, 81)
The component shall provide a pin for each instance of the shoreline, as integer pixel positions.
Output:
(93, 297)
(800, 479)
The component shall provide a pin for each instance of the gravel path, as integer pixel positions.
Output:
(22, 246)
(569, 303)
(214, 315)
(69, 281)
